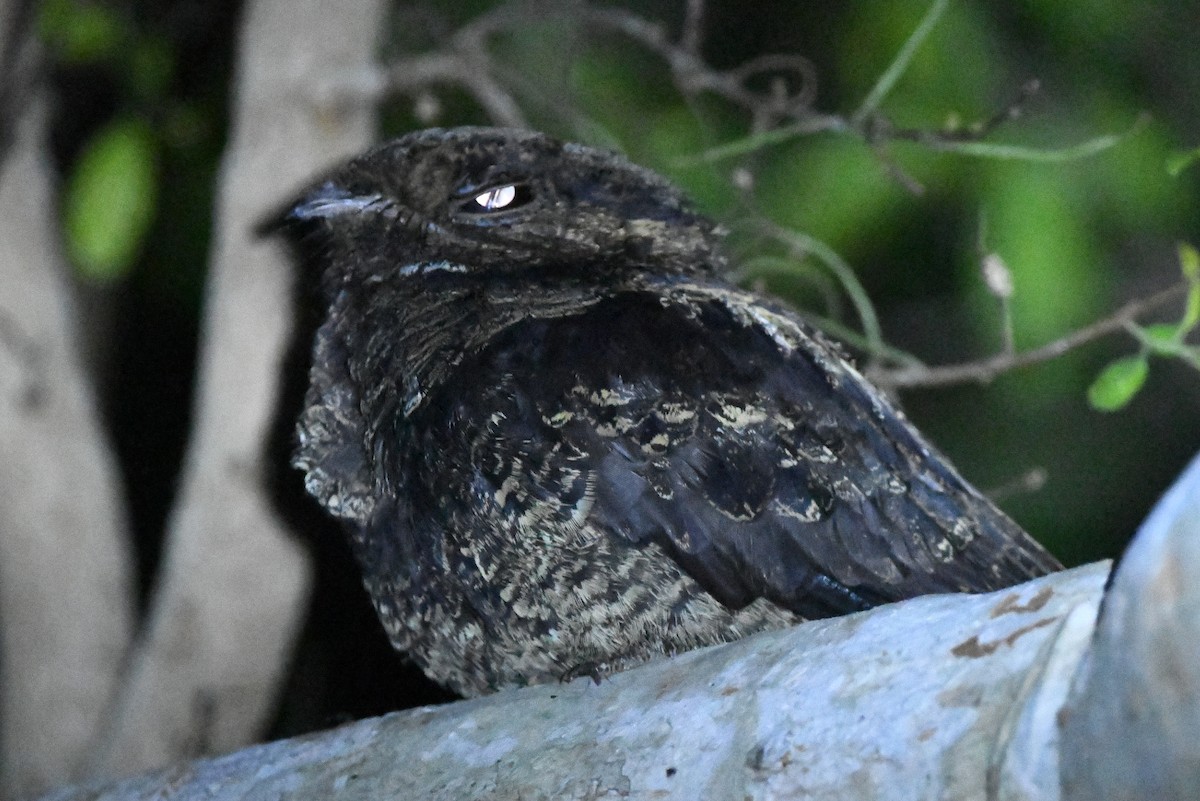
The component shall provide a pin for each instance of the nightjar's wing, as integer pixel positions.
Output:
(727, 433)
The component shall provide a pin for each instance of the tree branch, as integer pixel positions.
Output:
(985, 370)
(913, 700)
(1017, 694)
(466, 70)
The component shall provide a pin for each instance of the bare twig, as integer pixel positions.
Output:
(465, 61)
(20, 66)
(985, 370)
(782, 111)
(892, 74)
(1010, 112)
(802, 245)
(470, 72)
(693, 27)
(895, 171)
(692, 75)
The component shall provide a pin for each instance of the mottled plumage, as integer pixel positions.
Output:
(563, 443)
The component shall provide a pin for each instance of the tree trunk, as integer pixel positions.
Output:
(234, 584)
(66, 595)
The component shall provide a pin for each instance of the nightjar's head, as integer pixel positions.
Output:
(496, 200)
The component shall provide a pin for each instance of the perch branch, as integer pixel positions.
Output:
(1014, 694)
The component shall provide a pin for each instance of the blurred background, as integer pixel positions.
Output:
(142, 90)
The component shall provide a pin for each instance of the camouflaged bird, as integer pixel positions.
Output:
(563, 443)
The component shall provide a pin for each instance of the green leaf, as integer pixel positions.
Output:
(1189, 265)
(1117, 383)
(110, 199)
(1189, 262)
(1162, 338)
(1178, 162)
(1191, 312)
(81, 32)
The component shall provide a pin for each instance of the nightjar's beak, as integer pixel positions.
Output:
(330, 200)
(326, 201)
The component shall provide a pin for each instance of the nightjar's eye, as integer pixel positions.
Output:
(498, 198)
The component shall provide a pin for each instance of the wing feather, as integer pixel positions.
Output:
(765, 469)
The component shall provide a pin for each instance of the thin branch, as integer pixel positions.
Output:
(895, 171)
(20, 67)
(974, 147)
(465, 61)
(883, 352)
(410, 75)
(692, 74)
(986, 370)
(1010, 112)
(693, 27)
(777, 115)
(892, 74)
(802, 245)
(780, 103)
(815, 123)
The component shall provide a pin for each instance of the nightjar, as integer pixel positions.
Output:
(563, 443)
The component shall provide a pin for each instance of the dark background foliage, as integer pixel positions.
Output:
(142, 90)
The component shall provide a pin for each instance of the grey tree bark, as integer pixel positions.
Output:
(66, 597)
(917, 700)
(1132, 726)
